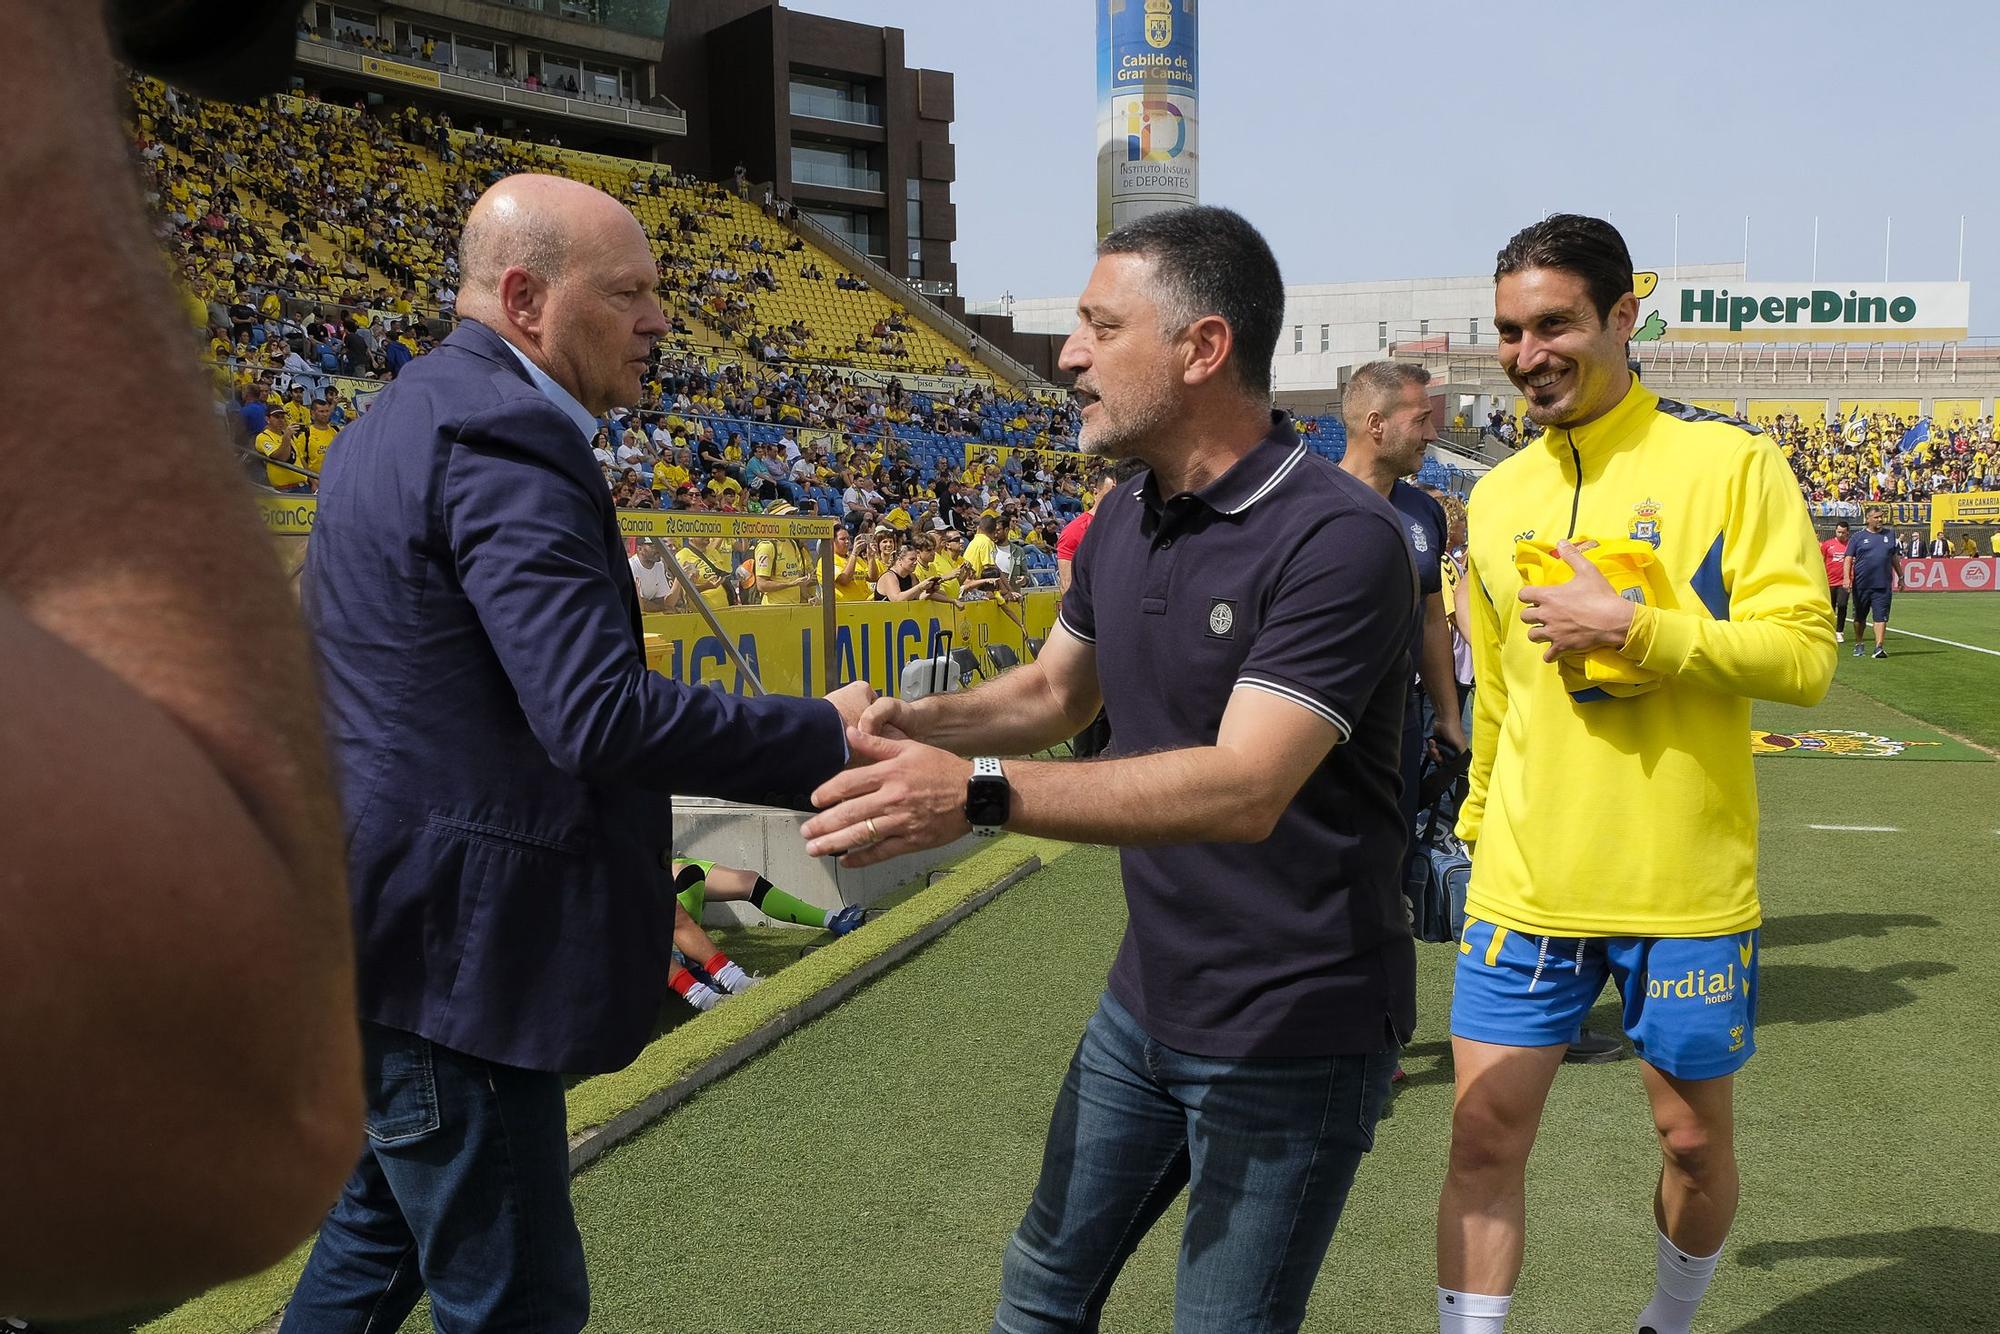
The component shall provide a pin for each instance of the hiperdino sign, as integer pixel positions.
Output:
(1800, 312)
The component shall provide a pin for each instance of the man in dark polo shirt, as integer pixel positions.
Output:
(1386, 407)
(1874, 569)
(1243, 610)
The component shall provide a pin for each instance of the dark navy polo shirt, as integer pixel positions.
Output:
(1423, 520)
(1874, 556)
(1287, 576)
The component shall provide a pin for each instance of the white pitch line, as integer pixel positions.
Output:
(1974, 648)
(1857, 828)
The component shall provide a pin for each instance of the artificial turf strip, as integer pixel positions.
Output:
(243, 1305)
(889, 1149)
(598, 1100)
(234, 1307)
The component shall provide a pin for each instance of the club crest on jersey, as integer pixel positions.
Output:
(1417, 538)
(1646, 522)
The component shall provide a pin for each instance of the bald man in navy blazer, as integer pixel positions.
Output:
(505, 761)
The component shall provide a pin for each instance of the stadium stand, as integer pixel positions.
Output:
(1885, 457)
(315, 243)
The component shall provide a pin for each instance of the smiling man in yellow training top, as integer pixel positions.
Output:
(1612, 810)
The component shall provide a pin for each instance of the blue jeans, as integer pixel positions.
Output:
(1266, 1150)
(462, 1189)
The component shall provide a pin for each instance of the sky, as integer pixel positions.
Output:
(1371, 141)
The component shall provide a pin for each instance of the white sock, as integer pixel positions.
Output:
(701, 996)
(1681, 1279)
(733, 978)
(1471, 1312)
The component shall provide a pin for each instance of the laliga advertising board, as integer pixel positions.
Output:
(1951, 574)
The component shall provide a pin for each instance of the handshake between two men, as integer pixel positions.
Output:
(910, 785)
(896, 796)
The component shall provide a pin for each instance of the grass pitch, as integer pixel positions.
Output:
(865, 1174)
(1951, 685)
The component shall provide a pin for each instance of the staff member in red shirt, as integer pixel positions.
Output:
(1096, 738)
(1105, 477)
(1834, 552)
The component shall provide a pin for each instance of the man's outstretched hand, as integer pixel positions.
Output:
(900, 796)
(891, 718)
(852, 700)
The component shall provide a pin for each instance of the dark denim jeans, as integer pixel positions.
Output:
(462, 1190)
(1266, 1150)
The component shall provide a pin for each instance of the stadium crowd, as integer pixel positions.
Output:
(1884, 457)
(315, 245)
(357, 208)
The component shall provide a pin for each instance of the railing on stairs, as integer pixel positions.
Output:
(880, 278)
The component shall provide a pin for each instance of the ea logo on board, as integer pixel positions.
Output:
(1977, 573)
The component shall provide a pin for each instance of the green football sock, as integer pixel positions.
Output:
(777, 904)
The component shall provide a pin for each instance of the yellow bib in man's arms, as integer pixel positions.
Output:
(1633, 569)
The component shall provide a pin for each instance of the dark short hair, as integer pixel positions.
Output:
(1841, 524)
(1590, 248)
(1211, 261)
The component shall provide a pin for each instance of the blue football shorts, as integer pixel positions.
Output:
(1872, 604)
(1690, 1004)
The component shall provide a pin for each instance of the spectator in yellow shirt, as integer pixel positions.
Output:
(275, 443)
(979, 551)
(706, 560)
(320, 432)
(782, 573)
(296, 411)
(854, 567)
(948, 564)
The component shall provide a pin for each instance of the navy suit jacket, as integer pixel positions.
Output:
(504, 757)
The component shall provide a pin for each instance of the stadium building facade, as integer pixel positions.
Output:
(1330, 328)
(828, 110)
(1709, 337)
(824, 111)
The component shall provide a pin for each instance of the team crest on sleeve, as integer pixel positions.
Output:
(1646, 522)
(1417, 538)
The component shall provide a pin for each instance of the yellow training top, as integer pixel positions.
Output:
(1603, 816)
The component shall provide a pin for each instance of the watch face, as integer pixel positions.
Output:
(986, 800)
